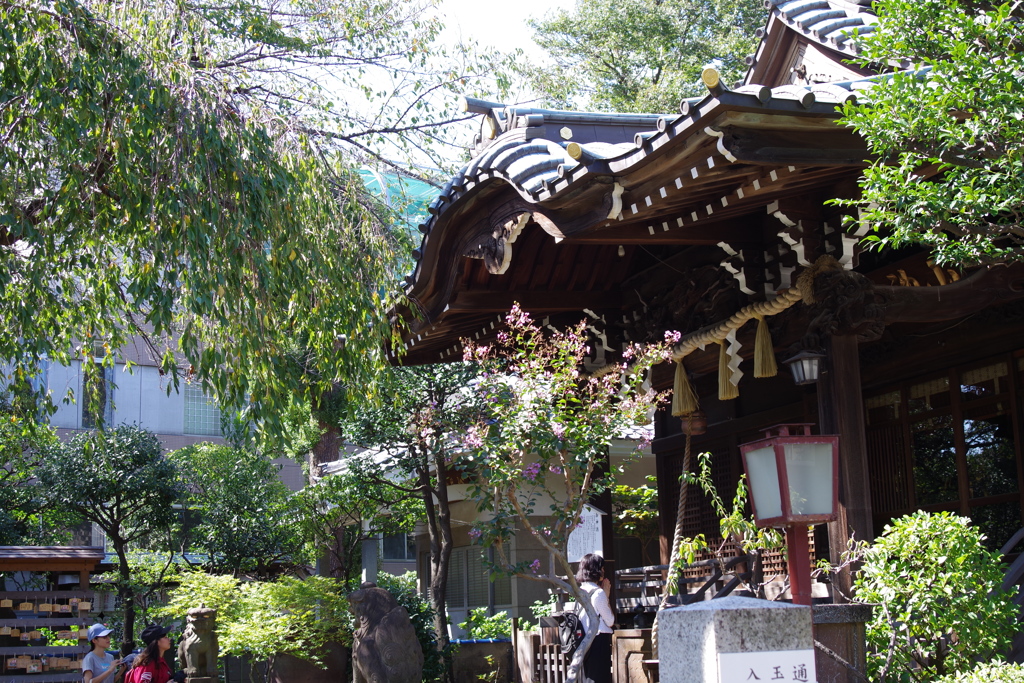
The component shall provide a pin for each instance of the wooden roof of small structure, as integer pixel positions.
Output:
(50, 558)
(569, 212)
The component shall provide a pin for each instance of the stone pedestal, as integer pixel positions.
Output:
(734, 639)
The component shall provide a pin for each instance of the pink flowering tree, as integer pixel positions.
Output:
(539, 446)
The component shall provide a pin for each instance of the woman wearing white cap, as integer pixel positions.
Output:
(98, 666)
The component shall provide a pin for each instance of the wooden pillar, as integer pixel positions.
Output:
(603, 502)
(666, 516)
(841, 411)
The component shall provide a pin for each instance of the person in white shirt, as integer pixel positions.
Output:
(98, 666)
(597, 665)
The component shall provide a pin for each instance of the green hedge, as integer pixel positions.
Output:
(1002, 672)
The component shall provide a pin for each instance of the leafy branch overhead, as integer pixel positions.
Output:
(641, 55)
(178, 186)
(948, 131)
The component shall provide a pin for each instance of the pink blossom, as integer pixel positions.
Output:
(558, 429)
(673, 336)
(531, 471)
(555, 469)
(475, 534)
(535, 566)
(473, 438)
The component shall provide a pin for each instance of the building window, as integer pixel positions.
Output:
(97, 397)
(950, 442)
(469, 580)
(398, 548)
(202, 416)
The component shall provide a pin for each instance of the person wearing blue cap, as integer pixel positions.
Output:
(98, 666)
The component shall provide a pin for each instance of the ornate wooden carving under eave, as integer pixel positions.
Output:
(493, 240)
(496, 248)
(701, 296)
(845, 303)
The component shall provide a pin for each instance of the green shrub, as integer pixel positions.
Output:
(540, 608)
(939, 604)
(436, 663)
(480, 626)
(1001, 672)
(266, 619)
(219, 592)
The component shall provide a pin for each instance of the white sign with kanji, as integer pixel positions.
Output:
(587, 536)
(784, 665)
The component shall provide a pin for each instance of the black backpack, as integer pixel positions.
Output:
(570, 631)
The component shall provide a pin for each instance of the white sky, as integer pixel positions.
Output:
(499, 25)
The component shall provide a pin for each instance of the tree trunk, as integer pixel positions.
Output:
(327, 449)
(124, 592)
(439, 530)
(338, 555)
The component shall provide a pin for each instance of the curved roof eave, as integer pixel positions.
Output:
(522, 173)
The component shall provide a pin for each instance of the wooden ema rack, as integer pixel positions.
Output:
(25, 655)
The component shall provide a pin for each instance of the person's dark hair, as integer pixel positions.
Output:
(151, 653)
(590, 568)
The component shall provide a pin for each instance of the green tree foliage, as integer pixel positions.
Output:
(419, 431)
(119, 480)
(940, 606)
(733, 521)
(152, 573)
(989, 673)
(24, 518)
(635, 515)
(180, 173)
(335, 515)
(948, 132)
(263, 620)
(641, 55)
(480, 626)
(538, 448)
(241, 508)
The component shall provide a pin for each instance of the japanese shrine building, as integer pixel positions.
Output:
(648, 223)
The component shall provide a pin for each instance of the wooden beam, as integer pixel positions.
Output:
(536, 302)
(665, 230)
(29, 565)
(826, 148)
(989, 286)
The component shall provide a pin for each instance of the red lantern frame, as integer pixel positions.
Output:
(796, 525)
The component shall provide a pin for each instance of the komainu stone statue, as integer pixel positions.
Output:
(384, 648)
(197, 651)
